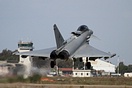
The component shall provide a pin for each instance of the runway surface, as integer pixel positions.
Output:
(28, 85)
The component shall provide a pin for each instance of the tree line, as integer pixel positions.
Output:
(122, 68)
(7, 55)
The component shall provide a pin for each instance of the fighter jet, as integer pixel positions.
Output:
(76, 46)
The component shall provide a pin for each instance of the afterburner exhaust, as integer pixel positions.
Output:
(53, 55)
(64, 55)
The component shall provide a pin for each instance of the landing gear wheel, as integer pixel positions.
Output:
(52, 64)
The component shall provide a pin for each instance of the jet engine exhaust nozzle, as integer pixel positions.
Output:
(53, 54)
(64, 55)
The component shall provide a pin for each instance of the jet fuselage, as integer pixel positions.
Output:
(72, 44)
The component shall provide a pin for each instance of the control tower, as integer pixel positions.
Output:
(26, 61)
(24, 47)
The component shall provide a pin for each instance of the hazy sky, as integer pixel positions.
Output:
(32, 20)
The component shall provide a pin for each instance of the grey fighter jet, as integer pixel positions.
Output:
(76, 46)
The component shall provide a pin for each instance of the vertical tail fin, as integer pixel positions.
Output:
(58, 37)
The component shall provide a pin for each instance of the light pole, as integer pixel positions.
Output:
(118, 65)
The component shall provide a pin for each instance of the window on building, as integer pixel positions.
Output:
(81, 73)
(75, 73)
(87, 73)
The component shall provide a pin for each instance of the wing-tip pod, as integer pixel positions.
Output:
(111, 56)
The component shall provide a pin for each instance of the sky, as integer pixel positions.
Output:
(33, 20)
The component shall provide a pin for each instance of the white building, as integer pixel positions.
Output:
(6, 68)
(127, 74)
(82, 73)
(26, 61)
(99, 64)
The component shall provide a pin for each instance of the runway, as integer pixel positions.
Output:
(29, 85)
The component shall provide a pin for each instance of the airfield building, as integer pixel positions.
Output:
(25, 61)
(99, 65)
(98, 68)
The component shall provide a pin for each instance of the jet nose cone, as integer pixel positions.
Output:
(91, 31)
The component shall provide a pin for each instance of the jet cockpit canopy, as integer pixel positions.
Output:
(80, 30)
(83, 28)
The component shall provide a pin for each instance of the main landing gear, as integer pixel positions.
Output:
(53, 63)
